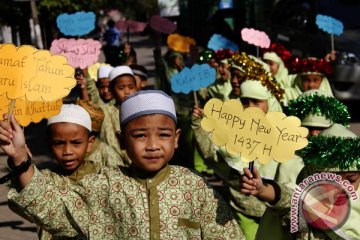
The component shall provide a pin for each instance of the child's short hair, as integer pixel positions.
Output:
(71, 113)
(147, 102)
(140, 71)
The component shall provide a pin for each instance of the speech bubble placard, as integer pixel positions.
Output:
(79, 52)
(218, 42)
(162, 25)
(180, 43)
(329, 24)
(34, 75)
(199, 76)
(252, 133)
(76, 24)
(255, 37)
(131, 26)
(93, 70)
(26, 112)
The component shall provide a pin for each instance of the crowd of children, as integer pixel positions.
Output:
(117, 141)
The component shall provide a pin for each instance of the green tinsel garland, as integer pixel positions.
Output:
(332, 152)
(317, 104)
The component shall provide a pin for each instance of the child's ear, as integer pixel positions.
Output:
(177, 136)
(91, 141)
(121, 138)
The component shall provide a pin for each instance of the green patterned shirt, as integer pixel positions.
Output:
(115, 204)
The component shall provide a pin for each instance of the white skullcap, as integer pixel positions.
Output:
(147, 102)
(104, 71)
(71, 113)
(120, 70)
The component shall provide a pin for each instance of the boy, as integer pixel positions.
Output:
(149, 200)
(122, 85)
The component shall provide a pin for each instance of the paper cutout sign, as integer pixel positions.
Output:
(34, 75)
(77, 24)
(162, 25)
(132, 26)
(329, 24)
(26, 112)
(93, 70)
(79, 52)
(199, 76)
(255, 37)
(251, 133)
(218, 42)
(180, 43)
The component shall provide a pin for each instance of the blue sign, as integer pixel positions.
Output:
(217, 42)
(329, 24)
(199, 76)
(223, 4)
(77, 24)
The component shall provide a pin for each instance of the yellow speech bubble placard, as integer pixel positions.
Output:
(93, 70)
(26, 112)
(252, 133)
(34, 75)
(180, 43)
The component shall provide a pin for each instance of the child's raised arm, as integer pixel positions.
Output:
(253, 184)
(12, 141)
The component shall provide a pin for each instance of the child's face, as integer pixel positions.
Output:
(274, 67)
(150, 141)
(251, 102)
(311, 82)
(224, 71)
(123, 87)
(352, 177)
(69, 142)
(237, 77)
(103, 86)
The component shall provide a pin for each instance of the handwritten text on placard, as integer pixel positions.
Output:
(36, 75)
(251, 133)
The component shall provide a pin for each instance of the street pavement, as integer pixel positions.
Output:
(13, 227)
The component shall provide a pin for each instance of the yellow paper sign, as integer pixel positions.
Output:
(93, 70)
(26, 112)
(251, 133)
(180, 43)
(34, 75)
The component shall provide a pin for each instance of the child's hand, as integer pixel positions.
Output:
(330, 57)
(197, 112)
(12, 139)
(251, 182)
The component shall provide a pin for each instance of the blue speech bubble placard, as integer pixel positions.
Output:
(329, 24)
(77, 24)
(217, 42)
(199, 76)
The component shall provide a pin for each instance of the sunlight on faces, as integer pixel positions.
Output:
(69, 143)
(252, 133)
(311, 81)
(150, 141)
(123, 86)
(103, 86)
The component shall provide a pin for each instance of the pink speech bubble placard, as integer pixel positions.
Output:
(255, 37)
(133, 26)
(162, 25)
(79, 52)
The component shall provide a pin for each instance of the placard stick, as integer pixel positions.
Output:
(195, 98)
(128, 34)
(251, 169)
(257, 51)
(332, 42)
(11, 109)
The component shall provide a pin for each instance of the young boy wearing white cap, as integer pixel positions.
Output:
(149, 200)
(122, 85)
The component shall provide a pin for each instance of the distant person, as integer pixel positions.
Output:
(112, 38)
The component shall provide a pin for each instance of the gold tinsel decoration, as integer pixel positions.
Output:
(254, 70)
